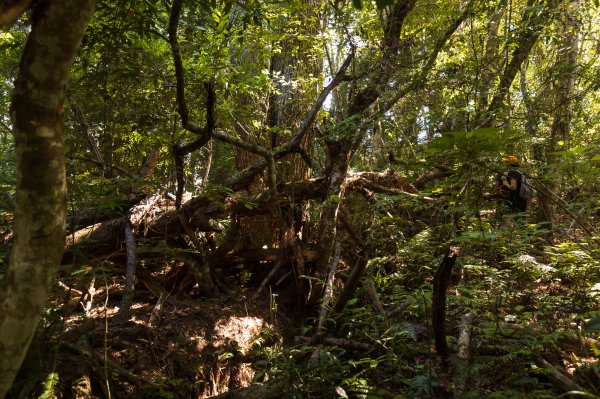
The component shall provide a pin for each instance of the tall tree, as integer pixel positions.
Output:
(563, 84)
(37, 120)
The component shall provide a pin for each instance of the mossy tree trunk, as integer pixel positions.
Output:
(37, 119)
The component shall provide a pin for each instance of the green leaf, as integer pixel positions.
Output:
(357, 4)
(593, 323)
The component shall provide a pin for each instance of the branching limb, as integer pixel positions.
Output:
(420, 81)
(293, 144)
(102, 165)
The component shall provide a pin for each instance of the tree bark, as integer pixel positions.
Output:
(563, 87)
(37, 118)
(340, 150)
(438, 305)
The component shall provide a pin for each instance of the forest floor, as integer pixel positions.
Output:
(168, 348)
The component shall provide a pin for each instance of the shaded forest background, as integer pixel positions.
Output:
(267, 199)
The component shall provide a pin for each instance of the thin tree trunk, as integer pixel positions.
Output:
(534, 19)
(565, 67)
(490, 61)
(130, 270)
(40, 213)
(438, 305)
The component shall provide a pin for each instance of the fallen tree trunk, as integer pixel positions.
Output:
(202, 214)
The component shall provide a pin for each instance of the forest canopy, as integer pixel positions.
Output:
(299, 198)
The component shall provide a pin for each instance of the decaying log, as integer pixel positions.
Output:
(94, 241)
(74, 333)
(438, 306)
(86, 217)
(386, 181)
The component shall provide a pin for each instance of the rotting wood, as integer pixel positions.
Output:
(202, 214)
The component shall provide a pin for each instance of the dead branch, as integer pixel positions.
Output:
(351, 284)
(241, 180)
(74, 333)
(362, 183)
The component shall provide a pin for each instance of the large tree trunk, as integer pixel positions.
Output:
(37, 117)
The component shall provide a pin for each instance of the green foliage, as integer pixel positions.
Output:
(50, 386)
